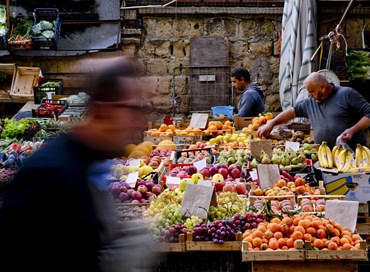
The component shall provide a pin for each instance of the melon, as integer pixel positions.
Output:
(166, 145)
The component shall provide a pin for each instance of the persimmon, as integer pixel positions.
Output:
(273, 227)
(278, 235)
(343, 241)
(257, 233)
(300, 228)
(261, 227)
(290, 242)
(311, 231)
(318, 243)
(269, 234)
(282, 242)
(296, 235)
(321, 233)
(305, 223)
(257, 242)
(307, 237)
(335, 239)
(347, 246)
(356, 237)
(287, 220)
(332, 245)
(284, 229)
(273, 243)
(284, 248)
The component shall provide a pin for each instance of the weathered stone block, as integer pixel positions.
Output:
(263, 48)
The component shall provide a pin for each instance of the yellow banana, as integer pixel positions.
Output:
(359, 169)
(333, 154)
(336, 157)
(323, 158)
(329, 157)
(366, 155)
(358, 156)
(349, 162)
(341, 159)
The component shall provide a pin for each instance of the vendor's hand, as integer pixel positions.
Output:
(265, 130)
(346, 135)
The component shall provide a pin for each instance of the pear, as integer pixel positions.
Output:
(294, 161)
(254, 163)
(285, 160)
(266, 159)
(302, 157)
(276, 159)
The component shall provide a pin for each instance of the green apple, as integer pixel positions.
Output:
(184, 182)
(197, 176)
(217, 177)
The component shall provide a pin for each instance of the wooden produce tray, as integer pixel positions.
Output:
(210, 246)
(253, 198)
(316, 197)
(174, 247)
(273, 255)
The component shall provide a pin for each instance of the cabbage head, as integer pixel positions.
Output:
(45, 25)
(48, 34)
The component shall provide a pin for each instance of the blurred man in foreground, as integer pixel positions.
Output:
(57, 214)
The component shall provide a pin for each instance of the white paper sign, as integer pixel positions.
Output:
(253, 174)
(342, 212)
(132, 178)
(172, 180)
(293, 145)
(204, 182)
(198, 120)
(135, 162)
(200, 164)
(268, 175)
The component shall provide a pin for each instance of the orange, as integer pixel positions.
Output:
(307, 237)
(321, 233)
(257, 233)
(290, 242)
(287, 220)
(296, 235)
(163, 128)
(278, 235)
(311, 231)
(305, 223)
(219, 125)
(347, 246)
(275, 220)
(332, 246)
(269, 234)
(212, 128)
(257, 242)
(282, 242)
(273, 243)
(318, 243)
(300, 228)
(273, 227)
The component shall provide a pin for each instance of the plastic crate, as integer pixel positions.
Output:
(3, 42)
(40, 92)
(44, 112)
(47, 14)
(226, 110)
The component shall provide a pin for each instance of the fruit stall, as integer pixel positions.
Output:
(225, 196)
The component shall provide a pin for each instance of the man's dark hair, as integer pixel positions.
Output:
(239, 73)
(106, 84)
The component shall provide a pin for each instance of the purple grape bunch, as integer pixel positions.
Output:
(171, 233)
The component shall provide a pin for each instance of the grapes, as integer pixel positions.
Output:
(171, 233)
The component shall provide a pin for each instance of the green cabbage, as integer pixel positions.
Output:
(2, 14)
(48, 34)
(3, 29)
(45, 25)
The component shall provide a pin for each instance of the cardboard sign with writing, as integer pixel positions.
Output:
(257, 146)
(132, 178)
(268, 175)
(342, 212)
(197, 200)
(198, 120)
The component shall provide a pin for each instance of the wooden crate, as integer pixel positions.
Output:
(174, 247)
(6, 85)
(25, 79)
(210, 246)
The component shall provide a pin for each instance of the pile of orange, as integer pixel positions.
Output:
(258, 121)
(163, 131)
(283, 234)
(215, 128)
(189, 131)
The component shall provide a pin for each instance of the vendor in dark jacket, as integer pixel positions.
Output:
(333, 112)
(251, 101)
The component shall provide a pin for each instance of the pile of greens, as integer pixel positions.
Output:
(22, 26)
(44, 29)
(13, 129)
(3, 27)
(358, 65)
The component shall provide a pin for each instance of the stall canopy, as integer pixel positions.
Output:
(297, 47)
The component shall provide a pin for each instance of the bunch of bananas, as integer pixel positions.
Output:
(343, 158)
(325, 156)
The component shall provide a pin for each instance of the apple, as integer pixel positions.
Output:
(235, 173)
(123, 196)
(182, 173)
(142, 189)
(223, 171)
(147, 195)
(192, 170)
(218, 177)
(219, 185)
(157, 189)
(149, 185)
(228, 187)
(212, 170)
(136, 195)
(130, 191)
(141, 182)
(197, 176)
(205, 173)
(182, 185)
(241, 188)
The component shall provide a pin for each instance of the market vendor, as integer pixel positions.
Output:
(251, 101)
(333, 111)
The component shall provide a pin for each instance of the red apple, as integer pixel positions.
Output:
(123, 196)
(205, 173)
(219, 185)
(130, 191)
(142, 189)
(223, 171)
(235, 173)
(241, 188)
(136, 195)
(212, 170)
(192, 170)
(228, 187)
(157, 189)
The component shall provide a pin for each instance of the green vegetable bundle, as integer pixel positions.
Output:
(358, 65)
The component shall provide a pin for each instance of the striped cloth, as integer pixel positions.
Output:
(299, 40)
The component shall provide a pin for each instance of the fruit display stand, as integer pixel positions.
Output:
(304, 259)
(210, 246)
(180, 246)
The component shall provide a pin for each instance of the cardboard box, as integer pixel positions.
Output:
(355, 186)
(6, 85)
(241, 122)
(25, 79)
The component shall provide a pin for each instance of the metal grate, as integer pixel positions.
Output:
(198, 88)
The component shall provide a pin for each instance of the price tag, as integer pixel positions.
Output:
(293, 145)
(172, 181)
(197, 200)
(204, 182)
(335, 209)
(254, 174)
(198, 120)
(268, 175)
(200, 164)
(132, 178)
(135, 162)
